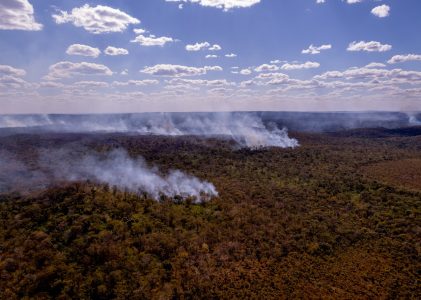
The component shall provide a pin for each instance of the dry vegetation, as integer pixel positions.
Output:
(406, 172)
(289, 223)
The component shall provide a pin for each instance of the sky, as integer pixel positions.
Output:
(71, 56)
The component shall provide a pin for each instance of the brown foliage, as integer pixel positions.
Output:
(289, 223)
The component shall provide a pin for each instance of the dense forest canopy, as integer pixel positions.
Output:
(331, 218)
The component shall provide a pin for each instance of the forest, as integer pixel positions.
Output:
(336, 218)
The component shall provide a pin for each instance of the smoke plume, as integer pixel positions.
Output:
(247, 129)
(413, 119)
(115, 169)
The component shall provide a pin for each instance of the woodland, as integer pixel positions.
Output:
(336, 218)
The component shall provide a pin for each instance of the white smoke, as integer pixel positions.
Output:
(413, 120)
(19, 121)
(247, 129)
(118, 169)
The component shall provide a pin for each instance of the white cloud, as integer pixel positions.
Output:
(211, 56)
(83, 50)
(266, 68)
(197, 46)
(316, 50)
(113, 51)
(271, 76)
(369, 46)
(139, 31)
(278, 61)
(17, 15)
(10, 78)
(376, 76)
(152, 40)
(98, 19)
(10, 71)
(51, 85)
(375, 65)
(202, 46)
(404, 58)
(90, 84)
(265, 79)
(136, 82)
(178, 70)
(66, 69)
(306, 65)
(245, 72)
(231, 55)
(215, 47)
(353, 1)
(12, 82)
(201, 82)
(381, 11)
(221, 4)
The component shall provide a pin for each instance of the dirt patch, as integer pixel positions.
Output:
(403, 173)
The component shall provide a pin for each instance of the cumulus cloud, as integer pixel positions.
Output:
(139, 31)
(10, 78)
(221, 4)
(215, 47)
(136, 82)
(66, 69)
(12, 82)
(404, 58)
(266, 68)
(211, 56)
(152, 40)
(381, 11)
(376, 76)
(83, 50)
(372, 46)
(18, 15)
(270, 76)
(97, 20)
(87, 84)
(306, 65)
(113, 51)
(316, 49)
(231, 55)
(201, 82)
(197, 46)
(203, 46)
(278, 61)
(178, 70)
(11, 71)
(375, 65)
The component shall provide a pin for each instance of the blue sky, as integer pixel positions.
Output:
(251, 55)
